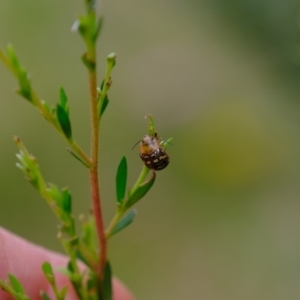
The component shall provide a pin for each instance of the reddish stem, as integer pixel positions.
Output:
(99, 221)
(94, 174)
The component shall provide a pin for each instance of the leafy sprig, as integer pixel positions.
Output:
(89, 244)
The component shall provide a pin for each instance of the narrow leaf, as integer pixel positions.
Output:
(20, 73)
(83, 26)
(141, 191)
(66, 201)
(124, 222)
(64, 121)
(15, 283)
(25, 88)
(77, 157)
(99, 28)
(81, 257)
(74, 279)
(166, 143)
(63, 292)
(104, 105)
(63, 98)
(13, 59)
(107, 284)
(44, 296)
(89, 236)
(102, 85)
(92, 283)
(66, 272)
(91, 66)
(121, 180)
(47, 269)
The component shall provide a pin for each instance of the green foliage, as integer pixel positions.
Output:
(140, 191)
(14, 288)
(105, 85)
(124, 222)
(48, 272)
(91, 66)
(94, 282)
(44, 296)
(13, 64)
(107, 282)
(121, 180)
(167, 142)
(16, 285)
(103, 106)
(62, 113)
(151, 127)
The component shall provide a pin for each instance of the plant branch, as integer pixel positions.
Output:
(122, 209)
(140, 180)
(94, 175)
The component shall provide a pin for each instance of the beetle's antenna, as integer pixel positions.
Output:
(136, 144)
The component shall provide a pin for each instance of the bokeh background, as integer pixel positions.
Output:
(223, 78)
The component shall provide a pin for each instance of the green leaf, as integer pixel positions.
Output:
(66, 272)
(91, 5)
(107, 282)
(151, 127)
(44, 296)
(13, 59)
(79, 256)
(92, 286)
(167, 142)
(86, 26)
(102, 102)
(28, 164)
(66, 201)
(50, 109)
(104, 105)
(124, 222)
(55, 194)
(91, 66)
(121, 180)
(98, 28)
(83, 26)
(74, 278)
(20, 73)
(63, 99)
(48, 272)
(89, 236)
(63, 292)
(78, 158)
(47, 269)
(64, 121)
(25, 88)
(15, 283)
(141, 191)
(61, 204)
(102, 85)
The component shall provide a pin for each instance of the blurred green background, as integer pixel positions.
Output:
(223, 79)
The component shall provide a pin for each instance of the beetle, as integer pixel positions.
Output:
(152, 153)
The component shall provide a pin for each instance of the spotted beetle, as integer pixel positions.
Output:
(152, 153)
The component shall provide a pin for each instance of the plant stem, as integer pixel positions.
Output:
(94, 175)
(140, 180)
(119, 214)
(122, 209)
